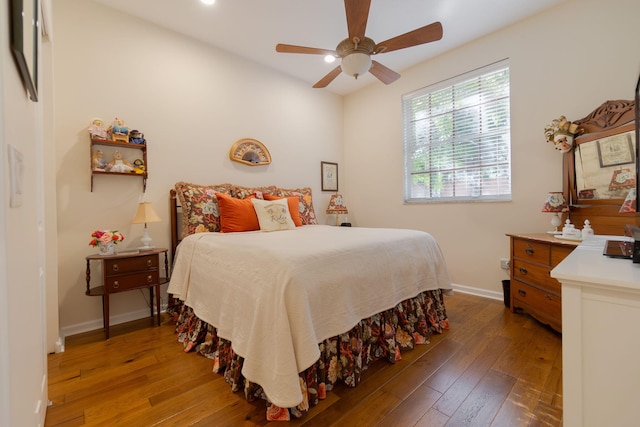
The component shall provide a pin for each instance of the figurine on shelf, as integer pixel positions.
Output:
(138, 166)
(119, 132)
(119, 164)
(98, 162)
(136, 137)
(97, 129)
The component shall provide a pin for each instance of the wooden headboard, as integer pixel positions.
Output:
(610, 118)
(176, 221)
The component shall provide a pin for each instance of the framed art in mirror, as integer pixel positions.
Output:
(25, 41)
(605, 167)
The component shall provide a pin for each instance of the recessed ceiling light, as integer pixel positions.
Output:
(329, 59)
(208, 2)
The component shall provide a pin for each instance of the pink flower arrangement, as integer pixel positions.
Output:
(105, 236)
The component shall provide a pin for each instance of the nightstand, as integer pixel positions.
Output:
(128, 271)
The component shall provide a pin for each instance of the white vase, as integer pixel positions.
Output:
(106, 248)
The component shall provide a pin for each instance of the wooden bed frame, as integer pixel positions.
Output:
(176, 221)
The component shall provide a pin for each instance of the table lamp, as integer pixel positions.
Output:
(555, 202)
(337, 206)
(629, 205)
(145, 215)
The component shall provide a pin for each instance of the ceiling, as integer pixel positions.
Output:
(252, 28)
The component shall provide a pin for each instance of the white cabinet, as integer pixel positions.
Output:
(600, 337)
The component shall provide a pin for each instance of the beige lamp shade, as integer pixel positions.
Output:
(145, 214)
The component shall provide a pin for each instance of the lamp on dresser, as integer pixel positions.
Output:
(337, 207)
(555, 203)
(629, 205)
(145, 214)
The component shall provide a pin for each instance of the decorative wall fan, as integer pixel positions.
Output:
(356, 50)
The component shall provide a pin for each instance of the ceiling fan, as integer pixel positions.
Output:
(356, 50)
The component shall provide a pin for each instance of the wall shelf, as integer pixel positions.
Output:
(119, 145)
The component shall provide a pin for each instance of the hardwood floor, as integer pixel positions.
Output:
(492, 368)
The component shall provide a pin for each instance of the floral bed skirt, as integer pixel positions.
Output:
(342, 358)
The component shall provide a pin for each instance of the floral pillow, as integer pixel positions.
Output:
(240, 192)
(305, 207)
(200, 210)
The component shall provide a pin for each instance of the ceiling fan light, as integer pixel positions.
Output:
(356, 64)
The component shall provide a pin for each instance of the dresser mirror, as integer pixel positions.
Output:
(601, 169)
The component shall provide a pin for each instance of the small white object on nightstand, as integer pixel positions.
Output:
(587, 230)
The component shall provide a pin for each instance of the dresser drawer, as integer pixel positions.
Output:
(531, 251)
(129, 265)
(132, 281)
(536, 275)
(544, 306)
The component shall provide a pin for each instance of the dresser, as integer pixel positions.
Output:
(532, 289)
(601, 337)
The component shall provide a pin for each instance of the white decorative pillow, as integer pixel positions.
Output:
(273, 215)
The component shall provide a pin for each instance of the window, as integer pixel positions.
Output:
(457, 144)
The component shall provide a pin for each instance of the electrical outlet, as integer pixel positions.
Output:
(505, 263)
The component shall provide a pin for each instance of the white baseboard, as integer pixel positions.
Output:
(92, 325)
(478, 292)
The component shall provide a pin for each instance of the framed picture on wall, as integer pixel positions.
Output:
(24, 42)
(329, 176)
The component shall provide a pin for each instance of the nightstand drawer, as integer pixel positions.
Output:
(535, 274)
(531, 251)
(537, 302)
(129, 265)
(132, 281)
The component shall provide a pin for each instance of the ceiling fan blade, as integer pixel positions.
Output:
(357, 16)
(324, 82)
(382, 73)
(426, 34)
(289, 48)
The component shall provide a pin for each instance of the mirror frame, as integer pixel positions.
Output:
(610, 118)
(26, 54)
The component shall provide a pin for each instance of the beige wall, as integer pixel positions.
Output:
(23, 264)
(192, 102)
(565, 61)
(183, 94)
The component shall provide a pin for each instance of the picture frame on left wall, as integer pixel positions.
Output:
(329, 176)
(24, 35)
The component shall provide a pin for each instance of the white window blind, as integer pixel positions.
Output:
(457, 143)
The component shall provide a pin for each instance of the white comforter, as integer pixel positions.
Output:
(276, 295)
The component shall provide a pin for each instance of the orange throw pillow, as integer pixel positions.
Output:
(237, 214)
(294, 207)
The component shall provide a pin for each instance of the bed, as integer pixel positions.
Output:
(285, 314)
